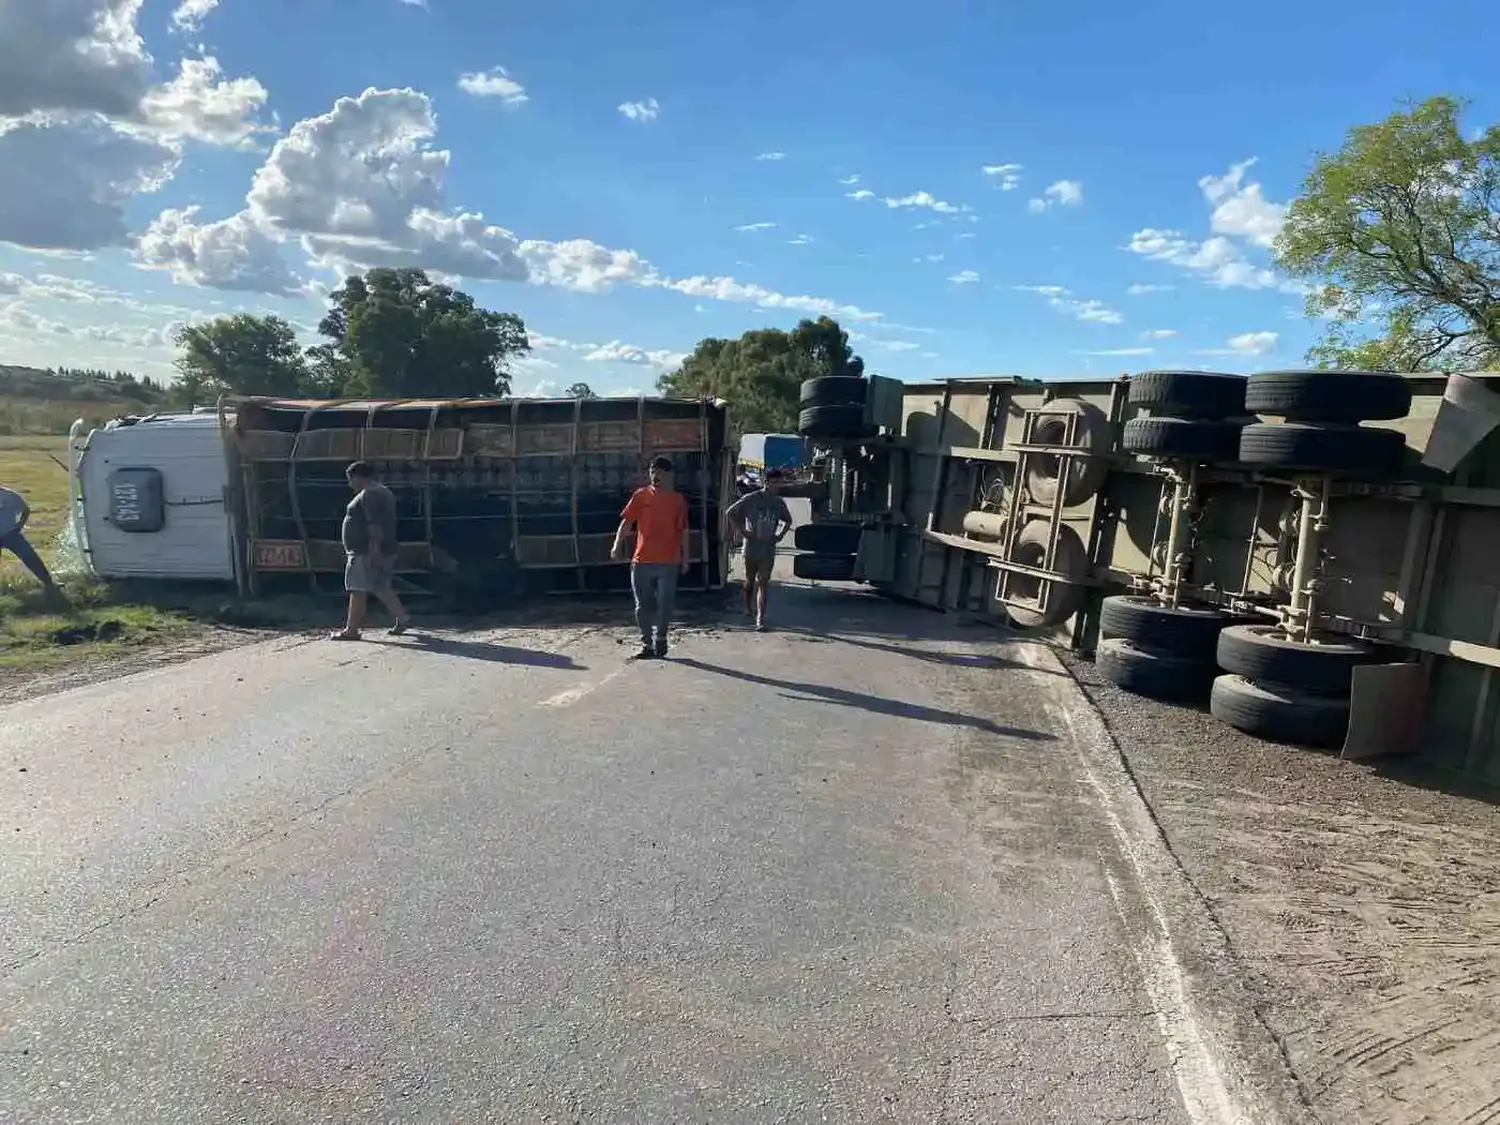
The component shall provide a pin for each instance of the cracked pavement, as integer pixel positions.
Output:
(839, 872)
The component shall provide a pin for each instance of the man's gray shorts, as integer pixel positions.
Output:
(369, 574)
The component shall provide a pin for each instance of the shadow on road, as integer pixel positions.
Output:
(483, 650)
(950, 659)
(893, 707)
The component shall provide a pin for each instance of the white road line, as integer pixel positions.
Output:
(573, 695)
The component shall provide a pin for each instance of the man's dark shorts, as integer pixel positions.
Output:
(369, 574)
(759, 570)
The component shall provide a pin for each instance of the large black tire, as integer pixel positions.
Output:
(1322, 448)
(824, 568)
(833, 423)
(1092, 432)
(1071, 557)
(1189, 394)
(1156, 675)
(1190, 631)
(1329, 396)
(1182, 438)
(835, 390)
(827, 538)
(1280, 713)
(1261, 652)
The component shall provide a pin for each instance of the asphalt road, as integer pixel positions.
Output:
(841, 872)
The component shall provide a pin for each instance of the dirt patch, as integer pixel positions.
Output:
(1365, 904)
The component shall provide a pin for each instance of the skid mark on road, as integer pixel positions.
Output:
(574, 694)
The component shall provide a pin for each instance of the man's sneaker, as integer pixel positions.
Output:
(760, 625)
(660, 651)
(646, 653)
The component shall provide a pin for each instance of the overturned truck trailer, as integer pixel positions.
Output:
(1312, 554)
(495, 497)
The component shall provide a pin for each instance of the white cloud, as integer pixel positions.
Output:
(861, 194)
(1122, 351)
(930, 258)
(964, 277)
(755, 226)
(493, 83)
(1007, 177)
(1246, 344)
(888, 345)
(72, 56)
(800, 240)
(232, 253)
(648, 110)
(1158, 333)
(847, 180)
(1139, 290)
(615, 351)
(201, 105)
(583, 266)
(918, 199)
(771, 156)
(1059, 298)
(190, 14)
(1241, 221)
(728, 289)
(1063, 193)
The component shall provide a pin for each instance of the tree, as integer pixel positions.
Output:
(241, 354)
(580, 390)
(396, 334)
(1400, 230)
(761, 373)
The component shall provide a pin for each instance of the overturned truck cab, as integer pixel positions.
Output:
(496, 497)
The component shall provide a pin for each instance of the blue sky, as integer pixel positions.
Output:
(970, 187)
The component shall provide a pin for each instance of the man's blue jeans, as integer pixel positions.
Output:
(655, 588)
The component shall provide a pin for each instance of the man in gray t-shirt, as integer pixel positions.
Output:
(763, 518)
(370, 543)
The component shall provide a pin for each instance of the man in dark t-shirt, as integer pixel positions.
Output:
(369, 534)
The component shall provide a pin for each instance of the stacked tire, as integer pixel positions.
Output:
(828, 551)
(1285, 690)
(833, 408)
(1195, 416)
(1160, 651)
(1322, 412)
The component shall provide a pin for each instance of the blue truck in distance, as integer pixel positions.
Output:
(762, 452)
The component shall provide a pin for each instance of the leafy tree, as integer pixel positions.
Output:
(580, 390)
(761, 373)
(395, 333)
(240, 354)
(1400, 230)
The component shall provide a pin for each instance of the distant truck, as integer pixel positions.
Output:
(763, 452)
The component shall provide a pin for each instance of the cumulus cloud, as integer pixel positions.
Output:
(493, 83)
(847, 180)
(964, 277)
(1242, 225)
(918, 199)
(1059, 298)
(189, 15)
(1063, 193)
(73, 56)
(201, 105)
(232, 253)
(1246, 344)
(648, 110)
(616, 351)
(1006, 177)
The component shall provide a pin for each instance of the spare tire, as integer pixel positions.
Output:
(824, 568)
(835, 390)
(1167, 676)
(1071, 558)
(1184, 439)
(1091, 432)
(827, 538)
(1191, 631)
(1263, 652)
(1189, 394)
(1280, 713)
(833, 423)
(1329, 396)
(1321, 448)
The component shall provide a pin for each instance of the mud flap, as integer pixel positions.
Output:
(1386, 706)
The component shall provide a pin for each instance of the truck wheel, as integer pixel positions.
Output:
(1279, 712)
(835, 390)
(824, 568)
(833, 423)
(1157, 675)
(1262, 652)
(1190, 631)
(1189, 394)
(1322, 447)
(1071, 558)
(827, 538)
(1091, 433)
(1329, 396)
(1188, 439)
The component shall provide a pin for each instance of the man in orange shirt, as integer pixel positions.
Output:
(659, 514)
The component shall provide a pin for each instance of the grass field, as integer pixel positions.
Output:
(31, 634)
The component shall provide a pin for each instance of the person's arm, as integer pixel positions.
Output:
(627, 521)
(783, 520)
(735, 516)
